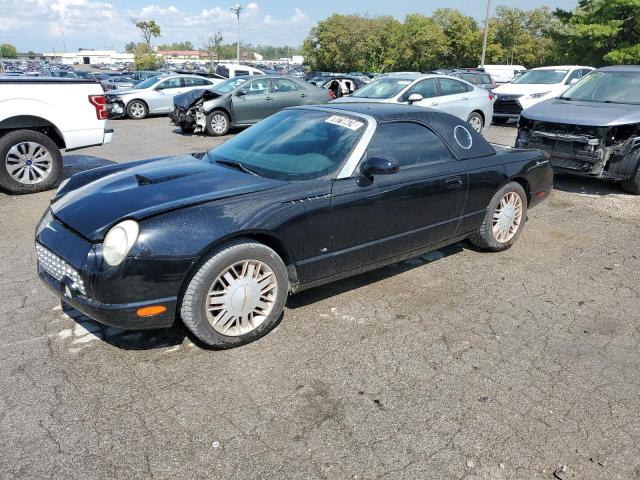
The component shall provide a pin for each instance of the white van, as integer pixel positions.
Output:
(503, 73)
(230, 70)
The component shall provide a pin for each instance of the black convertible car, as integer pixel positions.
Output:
(309, 195)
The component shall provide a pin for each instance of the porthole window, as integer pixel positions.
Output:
(463, 137)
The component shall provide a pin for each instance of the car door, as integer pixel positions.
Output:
(427, 88)
(453, 97)
(161, 97)
(389, 215)
(252, 102)
(287, 93)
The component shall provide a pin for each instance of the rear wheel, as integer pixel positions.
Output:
(236, 296)
(137, 110)
(632, 184)
(217, 123)
(31, 162)
(476, 122)
(504, 219)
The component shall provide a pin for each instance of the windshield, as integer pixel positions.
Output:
(383, 88)
(541, 77)
(606, 87)
(229, 85)
(293, 144)
(149, 82)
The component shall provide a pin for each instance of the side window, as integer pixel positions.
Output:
(486, 79)
(585, 72)
(256, 87)
(171, 83)
(281, 85)
(576, 74)
(239, 73)
(426, 88)
(451, 87)
(195, 82)
(470, 77)
(409, 143)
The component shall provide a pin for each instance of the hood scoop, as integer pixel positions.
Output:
(144, 180)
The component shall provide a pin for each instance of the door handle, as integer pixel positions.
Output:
(269, 98)
(434, 104)
(453, 182)
(303, 95)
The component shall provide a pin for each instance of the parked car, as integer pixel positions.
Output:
(592, 129)
(457, 97)
(152, 96)
(310, 195)
(117, 81)
(231, 70)
(39, 117)
(241, 101)
(533, 87)
(142, 75)
(85, 75)
(474, 77)
(57, 73)
(339, 85)
(503, 73)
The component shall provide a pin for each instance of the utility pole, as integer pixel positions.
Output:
(237, 8)
(486, 34)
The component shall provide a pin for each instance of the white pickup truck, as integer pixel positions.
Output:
(39, 117)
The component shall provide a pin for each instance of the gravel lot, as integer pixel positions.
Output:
(460, 365)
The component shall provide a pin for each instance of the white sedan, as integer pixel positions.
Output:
(451, 95)
(152, 96)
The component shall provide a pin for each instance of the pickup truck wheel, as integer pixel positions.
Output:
(476, 122)
(236, 296)
(504, 220)
(217, 123)
(137, 110)
(632, 184)
(31, 162)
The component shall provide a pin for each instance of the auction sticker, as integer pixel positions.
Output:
(346, 122)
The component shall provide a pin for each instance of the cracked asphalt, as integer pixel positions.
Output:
(457, 365)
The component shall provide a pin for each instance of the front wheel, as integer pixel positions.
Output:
(632, 184)
(217, 123)
(476, 122)
(31, 162)
(137, 110)
(504, 220)
(236, 296)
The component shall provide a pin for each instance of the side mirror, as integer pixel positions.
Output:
(574, 81)
(240, 93)
(414, 97)
(380, 166)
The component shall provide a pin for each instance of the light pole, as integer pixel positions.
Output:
(486, 34)
(237, 8)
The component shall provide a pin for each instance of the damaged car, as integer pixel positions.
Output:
(592, 129)
(241, 101)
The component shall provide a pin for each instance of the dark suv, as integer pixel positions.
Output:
(475, 77)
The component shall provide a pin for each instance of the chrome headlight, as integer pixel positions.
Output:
(119, 241)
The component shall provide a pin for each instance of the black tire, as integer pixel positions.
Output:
(195, 298)
(186, 129)
(632, 184)
(473, 119)
(215, 132)
(484, 238)
(500, 120)
(135, 106)
(17, 137)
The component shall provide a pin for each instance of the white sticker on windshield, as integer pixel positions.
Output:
(346, 122)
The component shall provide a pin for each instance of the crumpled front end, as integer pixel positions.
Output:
(115, 107)
(601, 152)
(186, 111)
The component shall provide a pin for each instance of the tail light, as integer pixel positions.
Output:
(490, 95)
(100, 104)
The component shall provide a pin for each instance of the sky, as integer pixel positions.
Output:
(57, 25)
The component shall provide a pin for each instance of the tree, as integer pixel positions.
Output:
(8, 51)
(464, 38)
(148, 29)
(423, 44)
(182, 46)
(599, 32)
(130, 47)
(214, 47)
(145, 59)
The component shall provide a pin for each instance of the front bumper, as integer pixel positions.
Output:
(182, 118)
(116, 108)
(69, 266)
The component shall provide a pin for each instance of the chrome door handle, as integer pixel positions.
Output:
(453, 182)
(303, 95)
(434, 104)
(269, 98)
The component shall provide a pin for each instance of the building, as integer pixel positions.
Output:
(89, 57)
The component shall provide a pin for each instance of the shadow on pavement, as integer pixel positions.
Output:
(587, 186)
(323, 292)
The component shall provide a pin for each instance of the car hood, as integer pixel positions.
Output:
(151, 188)
(360, 100)
(187, 99)
(583, 113)
(527, 88)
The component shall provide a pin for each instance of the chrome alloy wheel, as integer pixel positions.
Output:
(241, 298)
(507, 217)
(28, 163)
(218, 123)
(137, 110)
(476, 123)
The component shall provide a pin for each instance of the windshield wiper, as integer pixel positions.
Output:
(237, 166)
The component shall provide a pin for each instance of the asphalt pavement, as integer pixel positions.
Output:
(458, 364)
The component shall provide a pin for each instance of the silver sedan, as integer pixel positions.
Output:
(153, 96)
(451, 95)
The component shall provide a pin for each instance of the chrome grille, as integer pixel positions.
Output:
(58, 268)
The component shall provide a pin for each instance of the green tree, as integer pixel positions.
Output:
(148, 29)
(464, 38)
(130, 47)
(186, 45)
(145, 59)
(600, 32)
(422, 44)
(8, 51)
